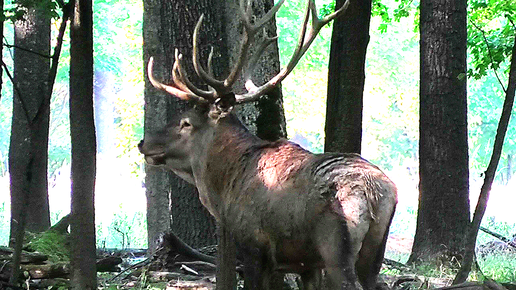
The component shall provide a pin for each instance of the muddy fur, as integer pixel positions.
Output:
(289, 210)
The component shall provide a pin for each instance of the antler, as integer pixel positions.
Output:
(304, 42)
(183, 87)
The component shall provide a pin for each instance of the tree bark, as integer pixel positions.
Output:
(83, 246)
(29, 137)
(346, 77)
(443, 215)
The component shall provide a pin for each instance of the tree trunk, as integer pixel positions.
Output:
(443, 215)
(83, 246)
(29, 137)
(490, 172)
(346, 77)
(169, 25)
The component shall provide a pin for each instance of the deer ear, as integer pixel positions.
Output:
(216, 113)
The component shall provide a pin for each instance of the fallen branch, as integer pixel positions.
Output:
(200, 264)
(500, 237)
(62, 225)
(134, 268)
(172, 242)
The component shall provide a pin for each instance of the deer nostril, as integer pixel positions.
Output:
(140, 145)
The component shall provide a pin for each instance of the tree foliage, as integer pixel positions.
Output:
(17, 8)
(490, 38)
(391, 108)
(490, 35)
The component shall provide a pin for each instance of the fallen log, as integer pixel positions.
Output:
(201, 265)
(190, 285)
(109, 264)
(47, 271)
(6, 254)
(127, 252)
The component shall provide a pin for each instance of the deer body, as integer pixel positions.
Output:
(288, 209)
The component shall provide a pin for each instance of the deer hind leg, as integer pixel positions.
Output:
(335, 247)
(373, 248)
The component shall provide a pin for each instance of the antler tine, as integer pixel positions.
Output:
(298, 52)
(210, 67)
(249, 33)
(269, 15)
(335, 14)
(208, 79)
(249, 85)
(304, 42)
(183, 82)
(188, 96)
(177, 78)
(244, 47)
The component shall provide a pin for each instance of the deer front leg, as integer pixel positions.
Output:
(256, 277)
(226, 259)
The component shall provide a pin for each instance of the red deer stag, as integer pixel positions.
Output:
(288, 209)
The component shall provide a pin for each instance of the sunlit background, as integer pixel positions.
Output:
(390, 134)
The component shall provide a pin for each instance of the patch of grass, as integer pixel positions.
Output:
(500, 267)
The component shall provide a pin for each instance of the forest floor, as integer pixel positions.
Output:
(169, 269)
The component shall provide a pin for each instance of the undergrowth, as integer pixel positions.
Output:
(55, 245)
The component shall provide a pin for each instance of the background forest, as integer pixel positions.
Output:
(390, 120)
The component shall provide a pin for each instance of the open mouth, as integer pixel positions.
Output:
(155, 159)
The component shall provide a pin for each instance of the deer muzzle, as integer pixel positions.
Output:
(154, 155)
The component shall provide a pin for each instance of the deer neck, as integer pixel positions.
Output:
(218, 166)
